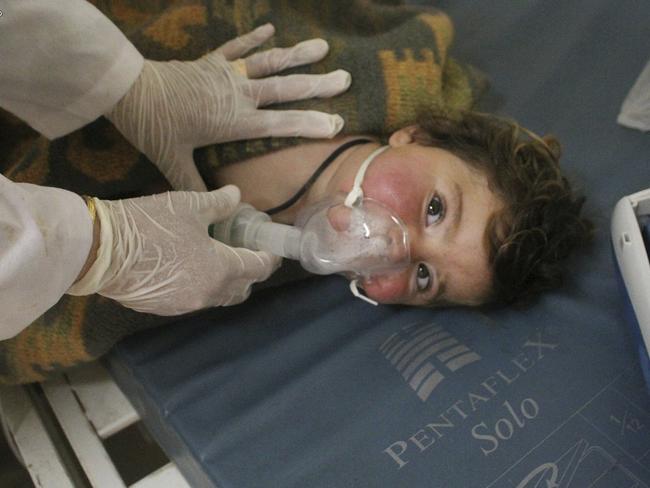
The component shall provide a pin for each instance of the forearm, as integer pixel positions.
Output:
(45, 237)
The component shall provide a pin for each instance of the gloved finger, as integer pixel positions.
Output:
(238, 294)
(216, 205)
(181, 171)
(299, 87)
(245, 268)
(238, 47)
(291, 123)
(250, 265)
(277, 59)
(239, 66)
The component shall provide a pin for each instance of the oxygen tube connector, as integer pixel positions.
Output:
(250, 228)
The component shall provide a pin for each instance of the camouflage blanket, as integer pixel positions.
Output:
(398, 57)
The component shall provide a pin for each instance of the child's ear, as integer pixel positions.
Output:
(403, 136)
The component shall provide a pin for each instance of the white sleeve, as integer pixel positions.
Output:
(45, 237)
(62, 63)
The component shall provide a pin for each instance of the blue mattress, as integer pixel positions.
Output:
(305, 386)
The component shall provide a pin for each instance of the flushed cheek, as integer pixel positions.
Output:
(393, 288)
(399, 190)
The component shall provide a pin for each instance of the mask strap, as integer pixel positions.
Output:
(356, 193)
(355, 291)
(354, 198)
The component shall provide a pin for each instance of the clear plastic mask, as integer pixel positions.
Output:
(359, 241)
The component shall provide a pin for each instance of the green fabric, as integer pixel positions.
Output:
(398, 59)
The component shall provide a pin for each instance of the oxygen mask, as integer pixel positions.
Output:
(359, 241)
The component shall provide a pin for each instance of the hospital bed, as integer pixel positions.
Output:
(305, 386)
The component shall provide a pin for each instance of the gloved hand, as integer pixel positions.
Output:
(156, 256)
(176, 106)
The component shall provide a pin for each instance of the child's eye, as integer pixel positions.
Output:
(435, 210)
(423, 278)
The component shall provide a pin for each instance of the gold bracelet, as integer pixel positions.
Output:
(92, 210)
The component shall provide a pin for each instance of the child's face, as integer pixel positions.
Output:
(446, 206)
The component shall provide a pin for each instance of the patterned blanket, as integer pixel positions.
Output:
(398, 57)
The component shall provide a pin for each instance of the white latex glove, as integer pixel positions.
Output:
(176, 106)
(156, 256)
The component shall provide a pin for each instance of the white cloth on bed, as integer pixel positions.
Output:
(635, 111)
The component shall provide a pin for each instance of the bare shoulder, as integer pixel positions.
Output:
(273, 177)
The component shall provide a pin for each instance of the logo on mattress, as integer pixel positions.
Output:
(424, 354)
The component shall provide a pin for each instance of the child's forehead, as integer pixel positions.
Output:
(439, 160)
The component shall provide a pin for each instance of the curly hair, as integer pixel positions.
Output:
(540, 225)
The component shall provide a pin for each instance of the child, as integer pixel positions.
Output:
(490, 216)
